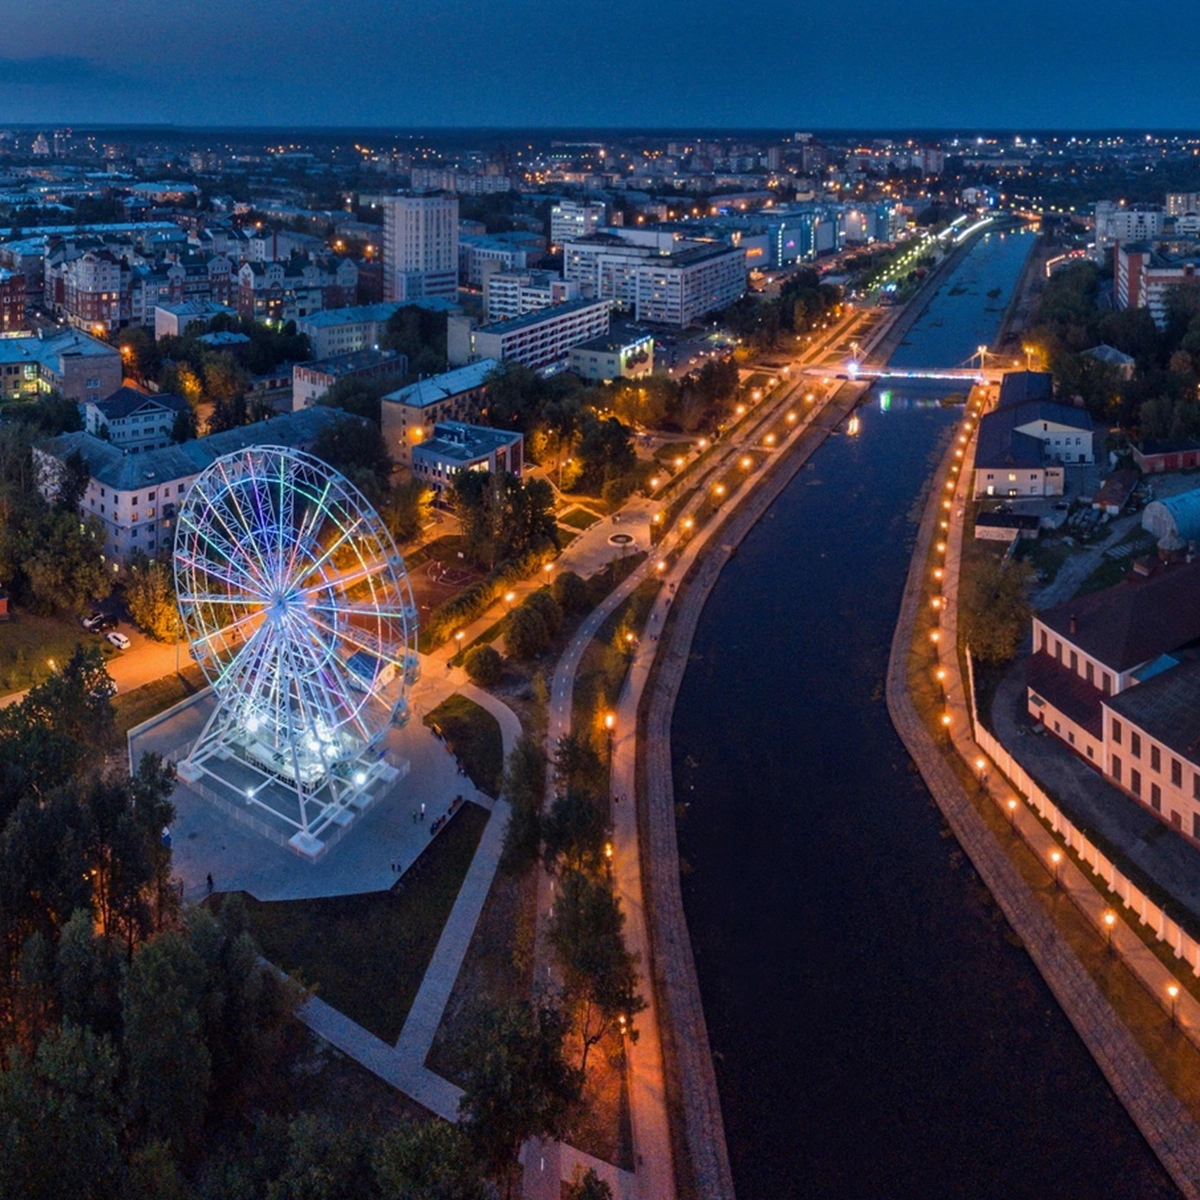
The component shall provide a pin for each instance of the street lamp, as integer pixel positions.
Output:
(458, 641)
(1110, 919)
(1056, 858)
(1173, 992)
(1012, 815)
(509, 597)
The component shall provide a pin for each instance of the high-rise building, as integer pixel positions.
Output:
(420, 246)
(571, 220)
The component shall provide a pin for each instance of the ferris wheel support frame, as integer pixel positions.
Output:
(278, 666)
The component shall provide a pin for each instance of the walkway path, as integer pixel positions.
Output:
(1164, 1121)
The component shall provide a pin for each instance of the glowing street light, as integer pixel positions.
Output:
(1056, 858)
(1110, 920)
(1173, 992)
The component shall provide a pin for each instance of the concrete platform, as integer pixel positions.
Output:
(382, 842)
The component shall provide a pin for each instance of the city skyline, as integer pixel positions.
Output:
(454, 65)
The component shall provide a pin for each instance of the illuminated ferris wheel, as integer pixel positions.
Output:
(299, 611)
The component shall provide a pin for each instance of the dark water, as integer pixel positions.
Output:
(876, 1033)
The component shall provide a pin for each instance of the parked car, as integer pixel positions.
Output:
(90, 622)
(119, 640)
(105, 624)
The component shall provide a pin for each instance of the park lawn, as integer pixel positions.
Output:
(367, 954)
(578, 518)
(132, 708)
(28, 642)
(473, 734)
(670, 451)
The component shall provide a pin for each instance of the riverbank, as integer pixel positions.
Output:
(1164, 1120)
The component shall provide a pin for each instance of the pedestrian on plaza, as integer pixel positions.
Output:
(422, 810)
(210, 883)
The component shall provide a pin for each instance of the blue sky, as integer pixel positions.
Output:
(423, 63)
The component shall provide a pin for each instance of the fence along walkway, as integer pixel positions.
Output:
(1163, 1119)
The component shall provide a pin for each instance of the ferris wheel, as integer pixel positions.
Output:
(299, 611)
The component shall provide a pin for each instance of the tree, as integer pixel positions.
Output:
(605, 451)
(519, 1084)
(577, 764)
(170, 1067)
(183, 428)
(995, 608)
(360, 396)
(574, 833)
(59, 1120)
(524, 788)
(484, 665)
(407, 509)
(588, 1186)
(525, 633)
(150, 595)
(599, 971)
(544, 604)
(428, 1160)
(356, 448)
(59, 556)
(571, 593)
(325, 1163)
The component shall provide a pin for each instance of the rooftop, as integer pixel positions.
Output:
(458, 442)
(1166, 707)
(111, 466)
(550, 313)
(127, 400)
(449, 383)
(1134, 621)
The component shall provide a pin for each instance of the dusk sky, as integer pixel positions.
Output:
(776, 63)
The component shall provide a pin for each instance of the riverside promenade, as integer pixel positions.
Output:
(1164, 1120)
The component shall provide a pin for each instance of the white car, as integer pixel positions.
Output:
(119, 640)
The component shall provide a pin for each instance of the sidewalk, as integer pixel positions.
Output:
(1164, 1121)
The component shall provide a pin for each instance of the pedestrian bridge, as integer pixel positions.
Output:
(854, 370)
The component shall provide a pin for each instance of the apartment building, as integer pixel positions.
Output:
(408, 416)
(509, 294)
(420, 246)
(132, 420)
(539, 339)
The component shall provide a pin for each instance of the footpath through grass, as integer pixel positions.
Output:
(474, 736)
(366, 955)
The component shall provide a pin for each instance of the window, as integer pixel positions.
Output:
(1116, 732)
(1135, 782)
(1176, 773)
(1155, 759)
(1074, 663)
(1116, 768)
(1058, 649)
(1156, 797)
(1091, 673)
(1107, 686)
(1135, 744)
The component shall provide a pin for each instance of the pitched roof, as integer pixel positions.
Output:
(114, 468)
(1002, 443)
(1074, 697)
(1134, 621)
(441, 387)
(127, 400)
(1017, 387)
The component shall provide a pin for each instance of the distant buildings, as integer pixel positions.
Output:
(292, 290)
(655, 278)
(514, 293)
(408, 416)
(1143, 277)
(347, 330)
(456, 447)
(311, 380)
(539, 339)
(420, 246)
(571, 220)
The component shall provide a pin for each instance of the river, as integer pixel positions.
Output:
(876, 1031)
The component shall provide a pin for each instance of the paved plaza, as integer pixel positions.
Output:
(383, 840)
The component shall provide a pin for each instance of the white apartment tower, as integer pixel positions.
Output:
(420, 246)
